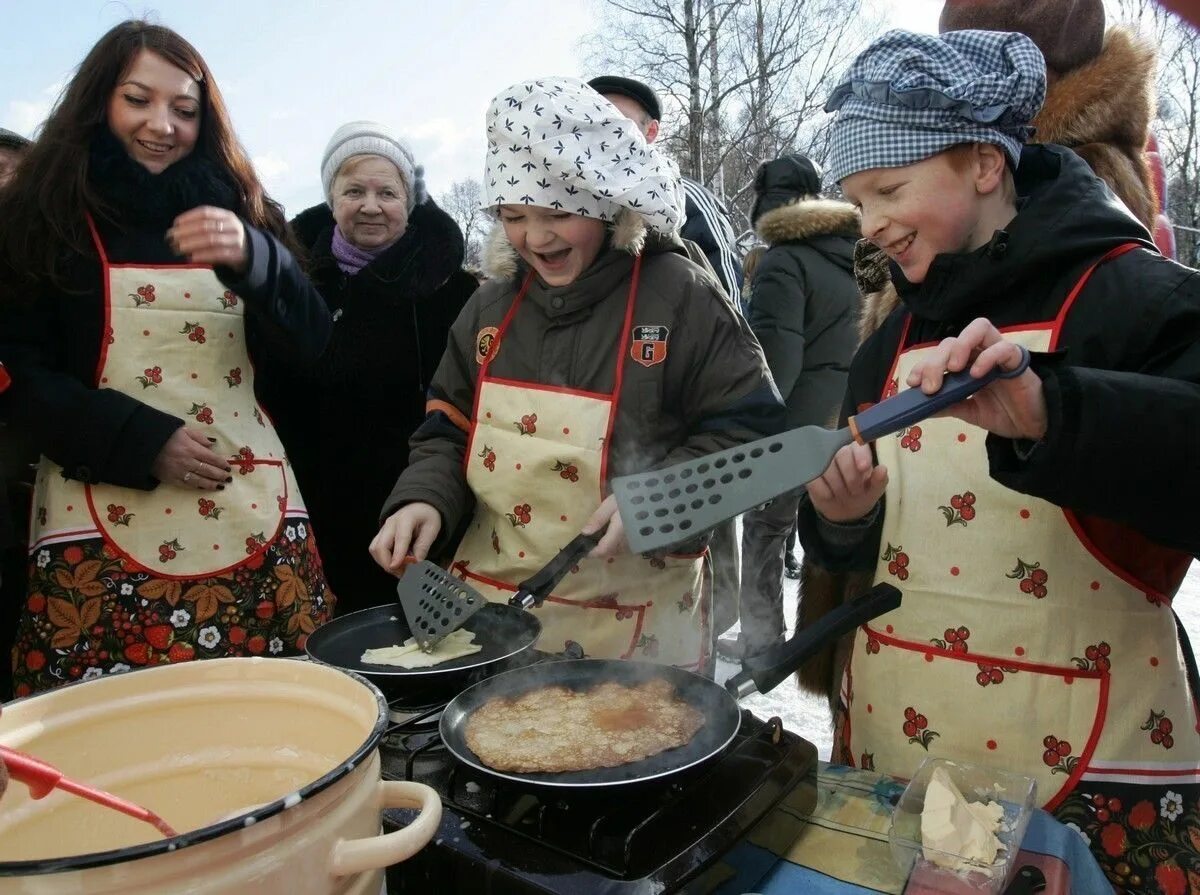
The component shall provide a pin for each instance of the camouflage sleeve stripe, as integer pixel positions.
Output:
(452, 413)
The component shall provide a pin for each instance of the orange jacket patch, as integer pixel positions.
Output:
(649, 345)
(485, 341)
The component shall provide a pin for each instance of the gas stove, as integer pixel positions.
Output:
(498, 837)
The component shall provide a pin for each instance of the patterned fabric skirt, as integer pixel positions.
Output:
(88, 612)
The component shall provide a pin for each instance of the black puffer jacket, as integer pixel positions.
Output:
(346, 419)
(1123, 392)
(804, 303)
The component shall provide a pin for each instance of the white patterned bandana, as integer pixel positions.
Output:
(556, 143)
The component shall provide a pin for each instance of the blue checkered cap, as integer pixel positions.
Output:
(909, 96)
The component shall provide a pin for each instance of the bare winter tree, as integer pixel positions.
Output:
(461, 202)
(741, 80)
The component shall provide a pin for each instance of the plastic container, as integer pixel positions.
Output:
(1017, 795)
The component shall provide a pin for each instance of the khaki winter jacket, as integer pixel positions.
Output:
(710, 391)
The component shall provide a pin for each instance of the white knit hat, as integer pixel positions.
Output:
(372, 138)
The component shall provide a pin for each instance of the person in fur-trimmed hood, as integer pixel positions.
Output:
(803, 310)
(594, 349)
(388, 263)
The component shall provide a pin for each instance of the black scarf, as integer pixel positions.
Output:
(138, 199)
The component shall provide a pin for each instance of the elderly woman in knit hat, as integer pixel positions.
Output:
(595, 349)
(1037, 530)
(388, 263)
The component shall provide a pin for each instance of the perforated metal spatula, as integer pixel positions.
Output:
(435, 603)
(662, 508)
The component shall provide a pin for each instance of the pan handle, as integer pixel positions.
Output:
(351, 856)
(764, 672)
(534, 589)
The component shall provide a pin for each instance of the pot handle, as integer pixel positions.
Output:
(350, 856)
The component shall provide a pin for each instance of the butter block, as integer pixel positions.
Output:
(957, 834)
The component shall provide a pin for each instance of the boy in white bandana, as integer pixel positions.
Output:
(595, 349)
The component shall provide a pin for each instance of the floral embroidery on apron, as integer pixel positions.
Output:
(537, 461)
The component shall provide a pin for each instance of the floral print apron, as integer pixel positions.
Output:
(1020, 645)
(537, 461)
(121, 578)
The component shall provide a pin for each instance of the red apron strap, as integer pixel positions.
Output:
(1115, 252)
(96, 238)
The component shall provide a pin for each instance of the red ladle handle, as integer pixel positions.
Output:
(43, 778)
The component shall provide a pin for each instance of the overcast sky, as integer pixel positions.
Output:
(293, 71)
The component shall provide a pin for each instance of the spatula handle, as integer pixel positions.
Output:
(534, 589)
(41, 778)
(913, 405)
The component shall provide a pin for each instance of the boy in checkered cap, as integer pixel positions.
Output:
(594, 349)
(1037, 557)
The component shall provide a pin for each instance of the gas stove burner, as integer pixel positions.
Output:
(418, 717)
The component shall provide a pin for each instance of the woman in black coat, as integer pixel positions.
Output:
(388, 262)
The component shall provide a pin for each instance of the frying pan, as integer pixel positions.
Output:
(722, 717)
(502, 630)
(717, 702)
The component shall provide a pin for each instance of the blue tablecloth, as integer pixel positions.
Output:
(840, 845)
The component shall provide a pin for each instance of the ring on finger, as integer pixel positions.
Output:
(187, 477)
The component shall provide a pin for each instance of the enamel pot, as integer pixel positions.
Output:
(268, 767)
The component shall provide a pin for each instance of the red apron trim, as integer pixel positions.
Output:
(540, 387)
(1089, 748)
(1128, 577)
(975, 658)
(70, 534)
(1146, 772)
(1080, 283)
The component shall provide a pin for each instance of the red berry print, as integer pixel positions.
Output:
(520, 515)
(893, 388)
(117, 514)
(168, 550)
(489, 458)
(990, 674)
(527, 425)
(228, 300)
(194, 332)
(151, 377)
(234, 377)
(897, 561)
(1161, 729)
(961, 509)
(1032, 578)
(244, 460)
(143, 296)
(202, 413)
(955, 639)
(209, 509)
(916, 728)
(566, 470)
(872, 646)
(1057, 756)
(910, 438)
(255, 542)
(1095, 657)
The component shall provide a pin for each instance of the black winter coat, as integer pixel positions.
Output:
(1123, 391)
(346, 420)
(804, 304)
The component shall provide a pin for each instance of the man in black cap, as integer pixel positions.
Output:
(12, 147)
(706, 220)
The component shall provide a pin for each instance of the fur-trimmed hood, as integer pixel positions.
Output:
(1103, 111)
(808, 218)
(629, 233)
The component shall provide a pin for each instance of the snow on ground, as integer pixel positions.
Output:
(809, 715)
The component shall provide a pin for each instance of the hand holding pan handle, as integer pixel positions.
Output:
(913, 405)
(764, 672)
(534, 589)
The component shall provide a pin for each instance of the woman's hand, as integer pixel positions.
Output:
(188, 459)
(850, 486)
(412, 528)
(208, 235)
(1012, 408)
(613, 541)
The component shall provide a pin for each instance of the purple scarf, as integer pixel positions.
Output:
(350, 258)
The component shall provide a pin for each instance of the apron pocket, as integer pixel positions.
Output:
(178, 532)
(1038, 719)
